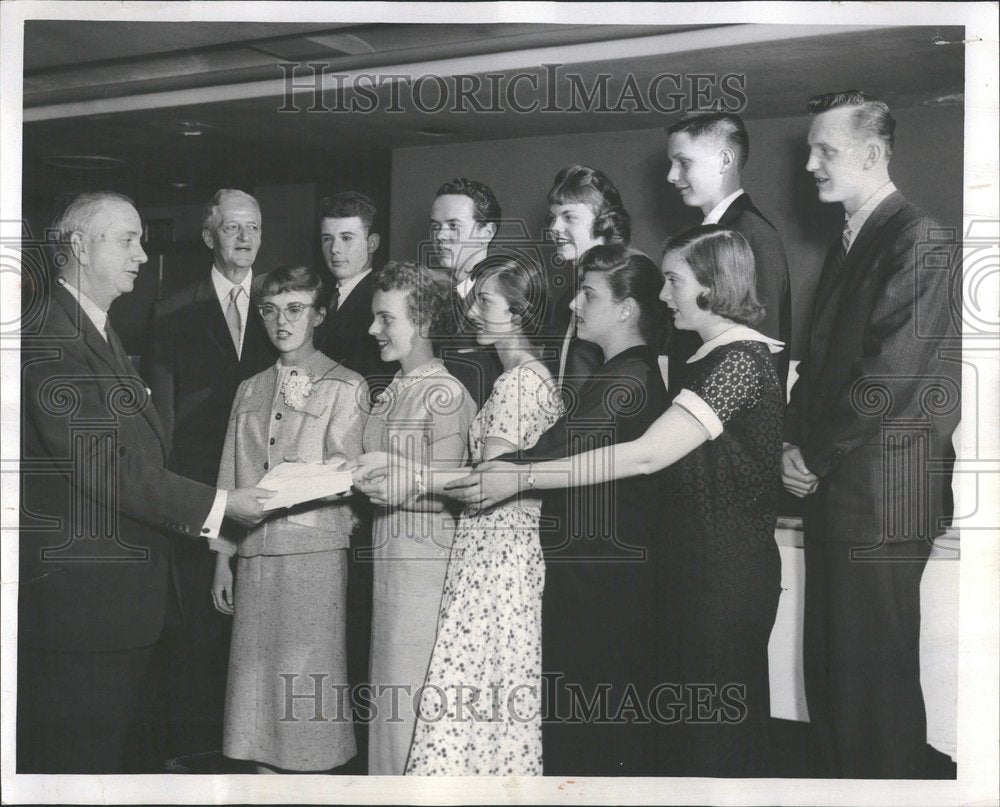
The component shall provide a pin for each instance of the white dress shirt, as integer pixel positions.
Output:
(349, 285)
(223, 288)
(854, 223)
(716, 212)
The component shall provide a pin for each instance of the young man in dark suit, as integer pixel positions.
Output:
(875, 404)
(707, 152)
(98, 507)
(203, 341)
(464, 219)
(349, 243)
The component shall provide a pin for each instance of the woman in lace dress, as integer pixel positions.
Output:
(480, 710)
(721, 438)
(423, 415)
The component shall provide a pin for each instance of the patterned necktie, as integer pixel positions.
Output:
(233, 318)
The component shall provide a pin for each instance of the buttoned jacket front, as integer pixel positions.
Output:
(264, 430)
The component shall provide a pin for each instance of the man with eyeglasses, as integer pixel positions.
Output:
(204, 340)
(99, 509)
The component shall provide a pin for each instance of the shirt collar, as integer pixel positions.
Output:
(855, 222)
(223, 285)
(716, 212)
(349, 285)
(737, 333)
(94, 312)
(465, 286)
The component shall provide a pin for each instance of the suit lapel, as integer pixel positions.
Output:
(209, 314)
(858, 255)
(97, 344)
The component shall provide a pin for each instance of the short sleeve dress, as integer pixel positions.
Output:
(410, 556)
(722, 591)
(481, 708)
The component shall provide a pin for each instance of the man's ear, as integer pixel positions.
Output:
(78, 245)
(373, 243)
(208, 238)
(490, 228)
(873, 154)
(728, 158)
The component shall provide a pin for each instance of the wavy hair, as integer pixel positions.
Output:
(722, 262)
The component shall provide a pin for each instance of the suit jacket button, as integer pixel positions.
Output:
(278, 416)
(204, 530)
(272, 441)
(265, 466)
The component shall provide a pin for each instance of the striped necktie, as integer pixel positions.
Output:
(233, 318)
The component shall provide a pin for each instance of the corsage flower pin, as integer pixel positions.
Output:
(295, 389)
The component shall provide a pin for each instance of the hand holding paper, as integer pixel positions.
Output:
(297, 482)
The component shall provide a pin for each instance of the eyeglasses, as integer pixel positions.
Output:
(293, 311)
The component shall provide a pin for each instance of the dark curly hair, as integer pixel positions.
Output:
(428, 294)
(487, 208)
(582, 185)
(722, 262)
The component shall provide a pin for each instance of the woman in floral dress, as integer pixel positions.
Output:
(720, 442)
(480, 712)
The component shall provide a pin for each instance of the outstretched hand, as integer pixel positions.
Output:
(379, 478)
(491, 483)
(245, 505)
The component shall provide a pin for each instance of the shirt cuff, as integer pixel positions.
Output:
(210, 529)
(700, 411)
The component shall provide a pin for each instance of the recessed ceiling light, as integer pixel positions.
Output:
(180, 185)
(191, 128)
(436, 131)
(83, 162)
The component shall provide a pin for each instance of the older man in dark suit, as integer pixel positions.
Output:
(349, 242)
(874, 406)
(97, 505)
(708, 151)
(204, 340)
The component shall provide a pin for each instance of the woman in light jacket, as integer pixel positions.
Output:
(291, 569)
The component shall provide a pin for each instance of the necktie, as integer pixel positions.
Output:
(116, 347)
(334, 300)
(233, 318)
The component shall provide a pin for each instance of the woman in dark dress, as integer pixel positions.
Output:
(722, 437)
(598, 610)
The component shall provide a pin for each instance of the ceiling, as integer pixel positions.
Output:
(178, 108)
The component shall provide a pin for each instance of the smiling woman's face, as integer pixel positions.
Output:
(394, 331)
(571, 227)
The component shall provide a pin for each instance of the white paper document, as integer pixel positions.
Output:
(297, 482)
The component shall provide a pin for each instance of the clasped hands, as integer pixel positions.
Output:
(392, 479)
(795, 475)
